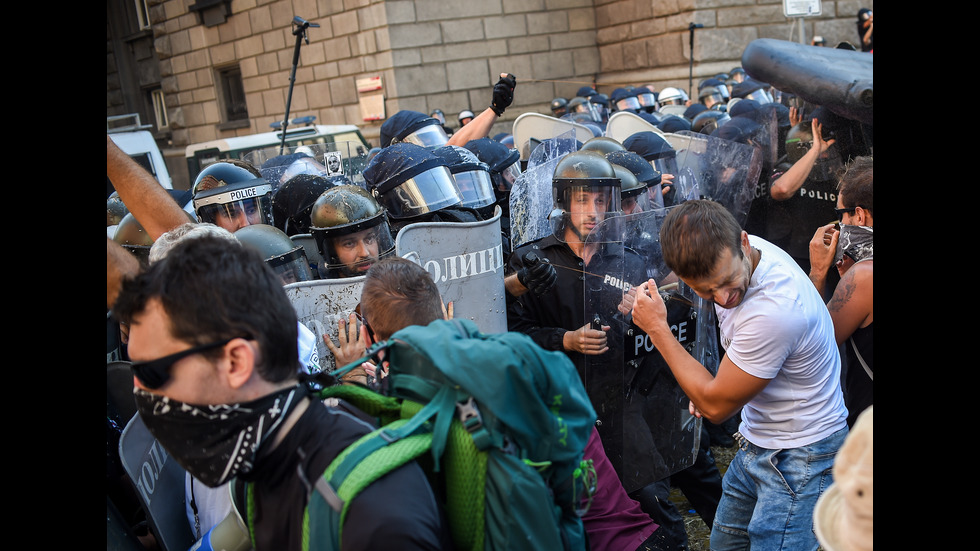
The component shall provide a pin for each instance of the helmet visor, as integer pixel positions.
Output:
(476, 188)
(665, 165)
(760, 96)
(427, 192)
(580, 207)
(291, 267)
(509, 175)
(432, 135)
(628, 104)
(646, 100)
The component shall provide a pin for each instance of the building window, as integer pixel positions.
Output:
(142, 14)
(159, 109)
(232, 94)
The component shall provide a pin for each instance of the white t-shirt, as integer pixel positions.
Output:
(783, 332)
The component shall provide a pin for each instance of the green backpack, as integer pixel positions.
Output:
(498, 423)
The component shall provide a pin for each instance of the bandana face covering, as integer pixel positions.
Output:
(219, 442)
(856, 241)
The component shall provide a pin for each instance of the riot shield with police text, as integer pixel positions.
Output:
(465, 259)
(643, 416)
(321, 304)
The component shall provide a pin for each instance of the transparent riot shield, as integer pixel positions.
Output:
(322, 159)
(725, 171)
(643, 417)
(321, 304)
(624, 124)
(531, 129)
(466, 262)
(531, 198)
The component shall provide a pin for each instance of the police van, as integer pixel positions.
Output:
(200, 155)
(135, 140)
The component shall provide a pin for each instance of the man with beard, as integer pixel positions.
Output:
(351, 231)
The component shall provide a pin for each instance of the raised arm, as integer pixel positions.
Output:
(149, 202)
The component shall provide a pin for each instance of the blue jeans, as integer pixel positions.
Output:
(769, 496)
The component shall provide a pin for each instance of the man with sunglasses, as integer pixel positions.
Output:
(213, 340)
(851, 250)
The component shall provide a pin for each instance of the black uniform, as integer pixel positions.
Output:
(547, 318)
(398, 510)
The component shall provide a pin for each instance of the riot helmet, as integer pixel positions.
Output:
(752, 89)
(351, 231)
(465, 116)
(633, 194)
(504, 163)
(652, 147)
(585, 191)
(409, 181)
(559, 106)
(286, 258)
(707, 121)
(472, 178)
(293, 201)
(647, 99)
(581, 105)
(232, 194)
(413, 127)
(737, 74)
(744, 108)
(799, 140)
(674, 123)
(711, 96)
(603, 145)
(115, 209)
(636, 164)
(694, 110)
(671, 96)
(438, 115)
(601, 103)
(585, 92)
(625, 99)
(131, 235)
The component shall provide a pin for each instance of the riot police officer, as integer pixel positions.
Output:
(232, 194)
(351, 231)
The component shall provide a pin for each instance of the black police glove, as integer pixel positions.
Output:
(503, 94)
(538, 275)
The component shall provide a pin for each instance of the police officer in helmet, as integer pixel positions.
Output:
(351, 231)
(232, 194)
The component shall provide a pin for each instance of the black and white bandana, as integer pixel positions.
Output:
(855, 241)
(216, 443)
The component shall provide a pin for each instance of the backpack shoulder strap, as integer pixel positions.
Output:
(360, 464)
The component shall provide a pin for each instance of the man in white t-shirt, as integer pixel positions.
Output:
(781, 368)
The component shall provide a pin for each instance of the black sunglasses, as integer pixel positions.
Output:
(154, 373)
(843, 211)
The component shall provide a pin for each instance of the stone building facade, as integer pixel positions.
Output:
(224, 65)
